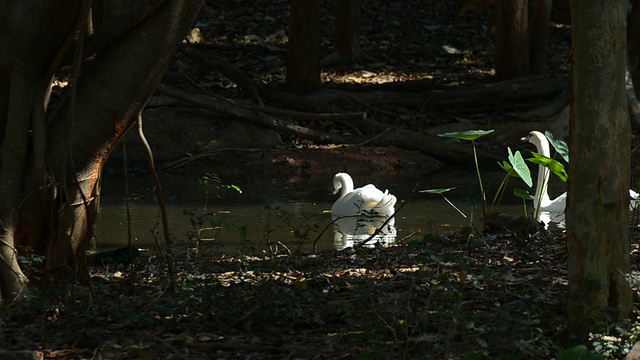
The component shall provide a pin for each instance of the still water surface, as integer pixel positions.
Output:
(277, 211)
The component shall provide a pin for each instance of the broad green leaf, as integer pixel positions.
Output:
(520, 167)
(578, 352)
(436, 191)
(554, 166)
(560, 145)
(466, 135)
(522, 194)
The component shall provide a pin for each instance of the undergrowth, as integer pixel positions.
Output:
(433, 298)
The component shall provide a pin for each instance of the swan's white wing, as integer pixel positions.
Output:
(634, 200)
(369, 196)
(556, 205)
(366, 198)
(559, 204)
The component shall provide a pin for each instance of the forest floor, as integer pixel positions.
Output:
(492, 295)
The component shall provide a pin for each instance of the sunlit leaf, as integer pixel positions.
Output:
(560, 145)
(436, 191)
(466, 135)
(520, 167)
(554, 166)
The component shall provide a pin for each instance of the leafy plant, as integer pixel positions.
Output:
(516, 167)
(441, 192)
(561, 146)
(472, 135)
(205, 220)
(553, 165)
(213, 178)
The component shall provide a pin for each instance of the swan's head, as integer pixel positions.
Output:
(538, 139)
(342, 181)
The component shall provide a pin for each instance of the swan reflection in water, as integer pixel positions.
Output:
(354, 230)
(552, 219)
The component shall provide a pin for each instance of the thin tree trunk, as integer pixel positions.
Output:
(346, 38)
(540, 36)
(512, 45)
(303, 59)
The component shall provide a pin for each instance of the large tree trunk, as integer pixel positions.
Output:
(598, 199)
(25, 65)
(50, 202)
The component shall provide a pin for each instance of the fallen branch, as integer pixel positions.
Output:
(445, 149)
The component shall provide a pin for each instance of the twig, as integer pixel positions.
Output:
(406, 238)
(153, 234)
(371, 139)
(337, 117)
(184, 161)
(160, 199)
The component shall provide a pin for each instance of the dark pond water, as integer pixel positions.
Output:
(281, 212)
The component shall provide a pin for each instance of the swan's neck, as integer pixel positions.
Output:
(542, 194)
(347, 185)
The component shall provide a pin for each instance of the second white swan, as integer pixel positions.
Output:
(542, 201)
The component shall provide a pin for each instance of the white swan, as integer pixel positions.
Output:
(542, 198)
(367, 199)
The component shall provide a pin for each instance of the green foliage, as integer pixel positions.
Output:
(203, 221)
(522, 194)
(213, 178)
(468, 135)
(561, 146)
(579, 352)
(515, 167)
(441, 192)
(553, 165)
(472, 135)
